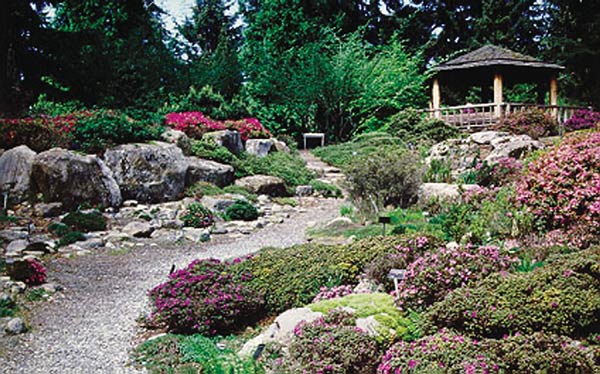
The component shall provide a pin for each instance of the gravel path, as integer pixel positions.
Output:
(89, 327)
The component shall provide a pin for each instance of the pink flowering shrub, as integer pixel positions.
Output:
(562, 297)
(332, 344)
(582, 119)
(445, 351)
(436, 273)
(326, 293)
(562, 187)
(30, 271)
(206, 298)
(505, 171)
(533, 122)
(196, 124)
(450, 352)
(39, 133)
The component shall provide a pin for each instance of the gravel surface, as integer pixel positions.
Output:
(90, 327)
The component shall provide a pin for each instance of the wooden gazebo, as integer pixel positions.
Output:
(502, 67)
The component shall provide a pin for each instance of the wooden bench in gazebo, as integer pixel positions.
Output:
(500, 66)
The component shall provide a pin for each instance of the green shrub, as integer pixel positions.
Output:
(70, 238)
(343, 155)
(200, 189)
(197, 216)
(99, 130)
(8, 308)
(385, 179)
(85, 222)
(211, 151)
(416, 127)
(562, 297)
(292, 277)
(43, 106)
(289, 167)
(326, 189)
(241, 210)
(393, 325)
(189, 354)
(58, 229)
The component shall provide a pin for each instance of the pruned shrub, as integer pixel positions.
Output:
(70, 238)
(562, 297)
(561, 187)
(205, 297)
(385, 179)
(332, 344)
(533, 122)
(435, 274)
(211, 151)
(293, 276)
(85, 222)
(197, 216)
(289, 167)
(416, 127)
(241, 210)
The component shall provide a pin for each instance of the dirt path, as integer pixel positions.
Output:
(89, 327)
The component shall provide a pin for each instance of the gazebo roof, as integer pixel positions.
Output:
(491, 55)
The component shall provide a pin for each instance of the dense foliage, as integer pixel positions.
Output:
(85, 221)
(533, 122)
(205, 297)
(241, 210)
(582, 119)
(197, 216)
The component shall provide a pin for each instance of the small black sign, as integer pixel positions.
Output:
(397, 274)
(384, 219)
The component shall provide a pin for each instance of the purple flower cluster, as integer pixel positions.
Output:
(582, 119)
(205, 298)
(326, 293)
(430, 277)
(36, 273)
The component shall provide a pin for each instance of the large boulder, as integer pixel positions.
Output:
(263, 185)
(259, 147)
(228, 139)
(208, 171)
(148, 173)
(512, 146)
(73, 179)
(15, 172)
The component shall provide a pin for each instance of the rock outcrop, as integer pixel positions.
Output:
(228, 139)
(73, 179)
(148, 172)
(259, 147)
(15, 172)
(208, 171)
(263, 185)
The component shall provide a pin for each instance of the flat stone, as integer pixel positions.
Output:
(15, 326)
(263, 184)
(196, 235)
(304, 190)
(91, 243)
(15, 233)
(130, 203)
(200, 170)
(138, 229)
(48, 210)
(16, 247)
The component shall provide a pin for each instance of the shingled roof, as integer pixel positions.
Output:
(491, 55)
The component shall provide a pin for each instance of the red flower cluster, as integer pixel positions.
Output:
(196, 124)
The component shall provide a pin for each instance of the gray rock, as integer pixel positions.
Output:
(259, 147)
(513, 146)
(366, 285)
(173, 224)
(486, 137)
(38, 245)
(220, 203)
(196, 235)
(208, 171)
(48, 210)
(280, 146)
(15, 326)
(369, 325)
(228, 139)
(14, 233)
(281, 331)
(179, 138)
(305, 190)
(339, 222)
(148, 172)
(263, 184)
(52, 287)
(167, 235)
(15, 172)
(91, 243)
(138, 229)
(16, 247)
(73, 179)
(428, 191)
(130, 203)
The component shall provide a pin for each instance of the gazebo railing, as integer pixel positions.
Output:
(477, 117)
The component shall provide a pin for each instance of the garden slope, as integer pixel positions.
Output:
(90, 326)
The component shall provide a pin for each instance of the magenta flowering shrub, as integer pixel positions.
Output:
(196, 124)
(562, 297)
(249, 128)
(445, 351)
(38, 133)
(332, 344)
(562, 187)
(205, 298)
(326, 293)
(582, 119)
(436, 273)
(533, 122)
(30, 271)
(505, 171)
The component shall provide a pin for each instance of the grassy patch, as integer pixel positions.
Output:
(200, 189)
(289, 167)
(326, 189)
(285, 201)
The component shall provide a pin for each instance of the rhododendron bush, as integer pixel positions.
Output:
(582, 119)
(562, 187)
(196, 124)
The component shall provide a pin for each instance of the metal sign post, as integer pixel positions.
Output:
(397, 275)
(383, 220)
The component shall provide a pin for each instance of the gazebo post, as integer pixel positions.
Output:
(436, 98)
(498, 99)
(553, 96)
